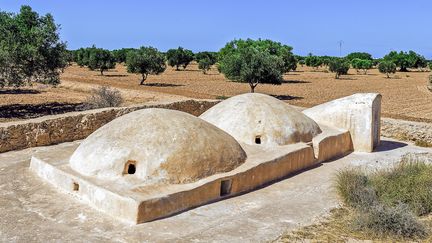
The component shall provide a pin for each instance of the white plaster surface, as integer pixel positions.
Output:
(34, 211)
(165, 145)
(358, 113)
(247, 116)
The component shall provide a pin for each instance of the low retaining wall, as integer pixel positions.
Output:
(72, 126)
(406, 130)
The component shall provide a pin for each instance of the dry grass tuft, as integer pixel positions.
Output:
(104, 97)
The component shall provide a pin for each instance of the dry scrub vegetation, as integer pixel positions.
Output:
(393, 204)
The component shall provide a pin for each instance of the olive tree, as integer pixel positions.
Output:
(101, 59)
(249, 61)
(82, 56)
(145, 61)
(339, 67)
(205, 64)
(405, 60)
(212, 56)
(179, 57)
(272, 47)
(387, 67)
(120, 55)
(30, 49)
(359, 55)
(361, 64)
(313, 61)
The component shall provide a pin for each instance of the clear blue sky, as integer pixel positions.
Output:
(375, 26)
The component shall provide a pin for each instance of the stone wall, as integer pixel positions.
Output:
(406, 130)
(72, 126)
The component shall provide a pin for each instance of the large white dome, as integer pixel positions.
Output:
(157, 145)
(261, 119)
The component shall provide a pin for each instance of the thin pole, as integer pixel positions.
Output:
(340, 47)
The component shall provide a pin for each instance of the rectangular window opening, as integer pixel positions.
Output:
(75, 186)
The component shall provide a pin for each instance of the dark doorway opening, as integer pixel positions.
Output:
(225, 188)
(131, 169)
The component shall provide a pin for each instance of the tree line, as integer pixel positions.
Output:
(31, 51)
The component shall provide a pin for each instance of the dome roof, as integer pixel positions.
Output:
(157, 145)
(261, 119)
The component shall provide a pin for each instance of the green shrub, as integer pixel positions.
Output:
(222, 97)
(353, 187)
(386, 201)
(384, 220)
(339, 67)
(387, 67)
(409, 183)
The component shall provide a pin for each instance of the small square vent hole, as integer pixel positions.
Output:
(258, 139)
(130, 167)
(75, 186)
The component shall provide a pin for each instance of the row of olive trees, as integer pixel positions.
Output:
(145, 60)
(31, 51)
(100, 59)
(362, 61)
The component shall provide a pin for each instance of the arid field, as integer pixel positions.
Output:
(405, 95)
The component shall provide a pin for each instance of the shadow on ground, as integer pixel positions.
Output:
(26, 111)
(389, 145)
(295, 82)
(115, 75)
(287, 97)
(345, 78)
(19, 91)
(162, 85)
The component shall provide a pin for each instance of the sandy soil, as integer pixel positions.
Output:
(404, 95)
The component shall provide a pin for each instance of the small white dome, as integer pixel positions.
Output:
(261, 119)
(157, 145)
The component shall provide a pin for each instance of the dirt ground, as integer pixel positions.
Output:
(35, 211)
(405, 95)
